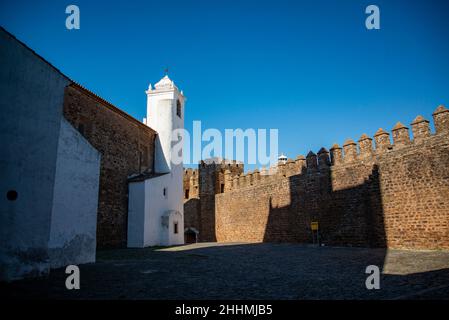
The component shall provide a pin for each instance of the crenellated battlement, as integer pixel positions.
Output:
(377, 191)
(350, 154)
(218, 164)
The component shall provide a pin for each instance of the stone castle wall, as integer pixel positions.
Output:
(191, 199)
(393, 195)
(200, 187)
(126, 147)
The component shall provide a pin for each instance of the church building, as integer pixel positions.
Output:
(77, 173)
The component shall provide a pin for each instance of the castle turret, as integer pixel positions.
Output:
(216, 176)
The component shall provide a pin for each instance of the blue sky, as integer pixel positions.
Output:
(309, 68)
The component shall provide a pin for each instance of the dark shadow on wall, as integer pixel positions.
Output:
(191, 217)
(207, 218)
(347, 216)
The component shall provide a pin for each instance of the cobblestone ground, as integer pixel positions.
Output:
(248, 271)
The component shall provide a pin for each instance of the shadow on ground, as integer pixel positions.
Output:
(247, 271)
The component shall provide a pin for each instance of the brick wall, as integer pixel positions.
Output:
(393, 195)
(126, 147)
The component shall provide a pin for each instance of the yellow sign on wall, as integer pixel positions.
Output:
(314, 226)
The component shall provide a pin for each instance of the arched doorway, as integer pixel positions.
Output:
(190, 235)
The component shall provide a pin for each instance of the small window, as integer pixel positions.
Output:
(178, 109)
(165, 192)
(175, 227)
(187, 194)
(222, 188)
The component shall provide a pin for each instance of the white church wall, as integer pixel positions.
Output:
(160, 119)
(146, 208)
(146, 205)
(156, 233)
(31, 101)
(176, 203)
(74, 215)
(171, 234)
(136, 214)
(157, 203)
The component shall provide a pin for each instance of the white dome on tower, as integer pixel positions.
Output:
(282, 158)
(165, 84)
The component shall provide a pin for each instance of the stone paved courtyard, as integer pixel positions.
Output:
(248, 271)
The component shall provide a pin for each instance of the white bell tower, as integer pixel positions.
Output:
(155, 205)
(156, 210)
(165, 113)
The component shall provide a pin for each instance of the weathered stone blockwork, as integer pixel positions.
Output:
(191, 199)
(394, 196)
(200, 188)
(126, 147)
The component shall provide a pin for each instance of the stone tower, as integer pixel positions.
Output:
(212, 182)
